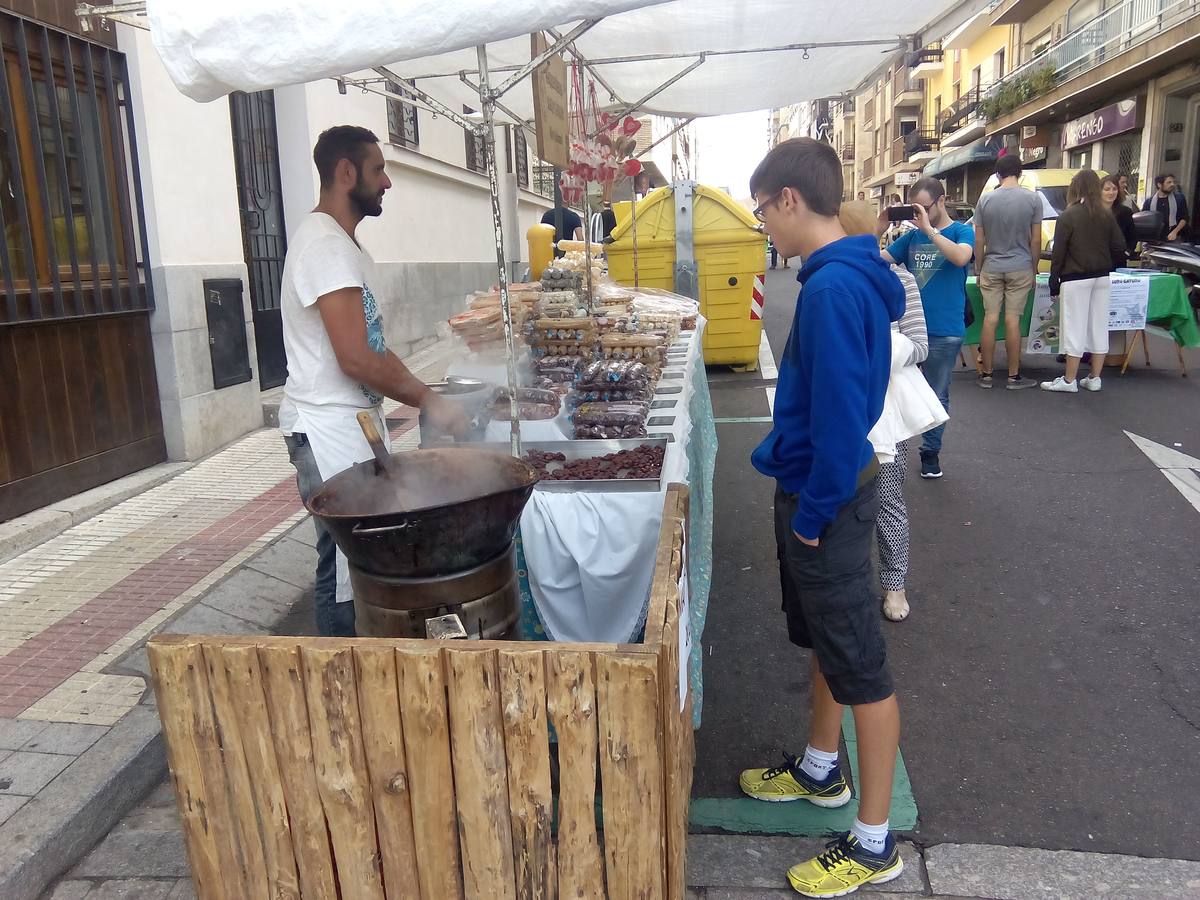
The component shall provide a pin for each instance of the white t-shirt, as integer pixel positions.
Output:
(322, 258)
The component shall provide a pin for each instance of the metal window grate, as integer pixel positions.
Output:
(66, 204)
(402, 120)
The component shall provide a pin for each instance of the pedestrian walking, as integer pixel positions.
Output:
(891, 528)
(1168, 201)
(338, 364)
(774, 254)
(1113, 195)
(832, 381)
(1088, 246)
(938, 253)
(1008, 247)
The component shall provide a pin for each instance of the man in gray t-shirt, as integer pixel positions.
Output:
(1008, 246)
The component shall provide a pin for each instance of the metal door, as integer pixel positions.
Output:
(256, 158)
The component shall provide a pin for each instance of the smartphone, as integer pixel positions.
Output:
(903, 213)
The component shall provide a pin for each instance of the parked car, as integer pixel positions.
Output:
(1051, 185)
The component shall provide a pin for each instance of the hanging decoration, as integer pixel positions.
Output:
(602, 147)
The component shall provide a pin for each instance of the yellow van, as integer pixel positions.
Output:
(1051, 185)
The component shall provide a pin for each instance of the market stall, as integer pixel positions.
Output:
(350, 750)
(1146, 300)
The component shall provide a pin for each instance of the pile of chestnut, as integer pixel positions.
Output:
(641, 462)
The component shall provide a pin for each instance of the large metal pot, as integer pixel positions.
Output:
(439, 512)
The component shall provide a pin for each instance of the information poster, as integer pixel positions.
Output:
(1043, 326)
(1128, 301)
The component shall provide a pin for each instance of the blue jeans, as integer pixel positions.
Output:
(333, 619)
(938, 367)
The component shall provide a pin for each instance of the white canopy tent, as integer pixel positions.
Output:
(758, 54)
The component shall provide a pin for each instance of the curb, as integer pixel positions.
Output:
(28, 531)
(57, 828)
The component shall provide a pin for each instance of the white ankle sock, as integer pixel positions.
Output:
(873, 837)
(817, 763)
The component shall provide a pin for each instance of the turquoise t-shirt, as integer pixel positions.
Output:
(943, 285)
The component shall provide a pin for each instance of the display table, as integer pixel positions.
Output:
(1169, 309)
(586, 558)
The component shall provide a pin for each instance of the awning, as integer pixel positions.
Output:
(761, 55)
(982, 150)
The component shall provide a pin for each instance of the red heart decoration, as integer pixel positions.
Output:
(631, 126)
(632, 167)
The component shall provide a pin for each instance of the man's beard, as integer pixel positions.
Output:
(366, 203)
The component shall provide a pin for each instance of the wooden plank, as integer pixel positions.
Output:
(430, 775)
(342, 779)
(677, 750)
(76, 369)
(628, 704)
(402, 644)
(54, 384)
(97, 397)
(477, 747)
(113, 360)
(383, 743)
(527, 748)
(177, 673)
(243, 815)
(666, 574)
(571, 695)
(34, 414)
(245, 679)
(283, 681)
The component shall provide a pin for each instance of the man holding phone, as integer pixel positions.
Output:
(937, 252)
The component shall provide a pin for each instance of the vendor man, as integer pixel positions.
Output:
(337, 362)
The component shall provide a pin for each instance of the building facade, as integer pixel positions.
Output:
(145, 237)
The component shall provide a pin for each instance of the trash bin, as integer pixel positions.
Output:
(722, 266)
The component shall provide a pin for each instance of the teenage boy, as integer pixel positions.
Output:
(832, 382)
(1008, 247)
(937, 252)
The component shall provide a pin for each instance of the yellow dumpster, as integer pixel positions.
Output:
(730, 261)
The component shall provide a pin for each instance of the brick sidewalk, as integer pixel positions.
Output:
(74, 606)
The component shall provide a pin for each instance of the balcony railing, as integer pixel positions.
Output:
(896, 153)
(869, 113)
(904, 89)
(923, 140)
(1098, 40)
(868, 168)
(930, 54)
(847, 154)
(960, 111)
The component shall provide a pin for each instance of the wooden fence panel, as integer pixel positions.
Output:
(571, 694)
(383, 741)
(477, 745)
(342, 769)
(430, 774)
(631, 767)
(246, 687)
(527, 748)
(244, 831)
(182, 699)
(284, 682)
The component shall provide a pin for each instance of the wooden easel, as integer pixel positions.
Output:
(1141, 334)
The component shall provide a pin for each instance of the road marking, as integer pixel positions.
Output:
(744, 815)
(766, 359)
(771, 399)
(1181, 470)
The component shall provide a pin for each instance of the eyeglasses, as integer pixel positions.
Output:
(760, 210)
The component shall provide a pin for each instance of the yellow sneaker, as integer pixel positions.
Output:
(844, 867)
(789, 782)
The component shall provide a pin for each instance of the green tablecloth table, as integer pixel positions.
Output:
(1169, 310)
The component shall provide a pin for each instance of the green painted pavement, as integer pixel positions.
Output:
(744, 815)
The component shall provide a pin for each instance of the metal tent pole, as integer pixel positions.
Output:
(633, 229)
(488, 107)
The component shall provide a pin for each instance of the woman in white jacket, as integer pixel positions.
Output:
(891, 528)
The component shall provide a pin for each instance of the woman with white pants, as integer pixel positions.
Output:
(1088, 246)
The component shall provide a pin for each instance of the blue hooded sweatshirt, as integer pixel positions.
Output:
(832, 379)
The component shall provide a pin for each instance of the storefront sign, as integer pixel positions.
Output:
(1103, 123)
(904, 179)
(876, 192)
(1032, 154)
(550, 107)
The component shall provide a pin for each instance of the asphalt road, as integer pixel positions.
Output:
(1049, 672)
